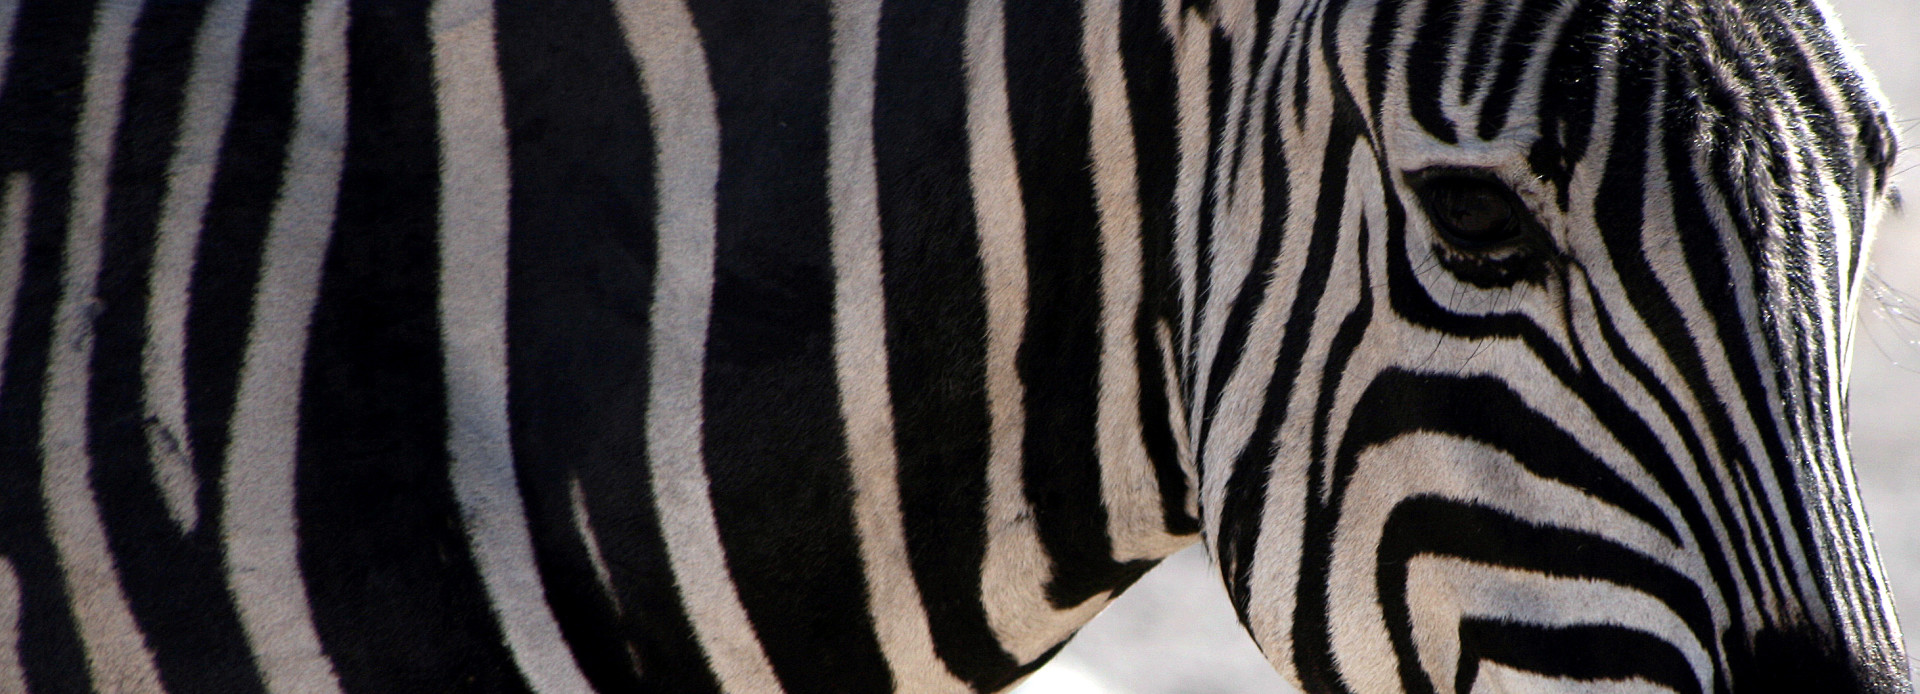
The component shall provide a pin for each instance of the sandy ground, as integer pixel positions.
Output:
(1174, 633)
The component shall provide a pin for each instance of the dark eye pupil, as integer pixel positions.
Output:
(1478, 212)
(1472, 212)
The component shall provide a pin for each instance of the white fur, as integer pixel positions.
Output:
(258, 526)
(673, 73)
(860, 359)
(209, 103)
(1127, 486)
(15, 202)
(1016, 568)
(473, 323)
(13, 676)
(1496, 678)
(1192, 52)
(117, 655)
(9, 11)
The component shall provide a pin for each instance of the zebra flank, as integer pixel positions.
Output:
(876, 345)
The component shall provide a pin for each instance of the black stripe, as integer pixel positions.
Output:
(1301, 46)
(1422, 406)
(227, 262)
(1709, 263)
(1532, 21)
(1801, 660)
(1586, 652)
(1821, 148)
(1059, 359)
(1493, 18)
(395, 596)
(1252, 115)
(1411, 301)
(1340, 351)
(1252, 291)
(1729, 173)
(1426, 68)
(1212, 187)
(782, 494)
(1794, 73)
(1622, 227)
(175, 584)
(1311, 626)
(1486, 410)
(1570, 96)
(1380, 35)
(1630, 428)
(1877, 141)
(1252, 470)
(1433, 526)
(580, 273)
(936, 326)
(38, 112)
(1146, 52)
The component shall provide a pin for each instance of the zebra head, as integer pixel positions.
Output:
(1520, 351)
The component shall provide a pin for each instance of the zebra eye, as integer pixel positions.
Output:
(1473, 213)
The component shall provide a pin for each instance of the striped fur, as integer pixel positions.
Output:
(763, 345)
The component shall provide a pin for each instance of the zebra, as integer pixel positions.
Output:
(776, 345)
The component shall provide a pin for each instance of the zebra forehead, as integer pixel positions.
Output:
(1767, 91)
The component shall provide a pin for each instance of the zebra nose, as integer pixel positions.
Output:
(1804, 661)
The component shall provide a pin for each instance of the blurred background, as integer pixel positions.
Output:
(1174, 632)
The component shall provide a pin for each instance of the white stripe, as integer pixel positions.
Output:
(1231, 242)
(1455, 590)
(1273, 570)
(1135, 521)
(860, 359)
(209, 101)
(474, 185)
(258, 526)
(1238, 219)
(1016, 567)
(117, 656)
(13, 255)
(1669, 268)
(1192, 54)
(1177, 420)
(13, 242)
(9, 11)
(583, 524)
(13, 676)
(686, 130)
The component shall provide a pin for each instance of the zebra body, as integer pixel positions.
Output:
(752, 346)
